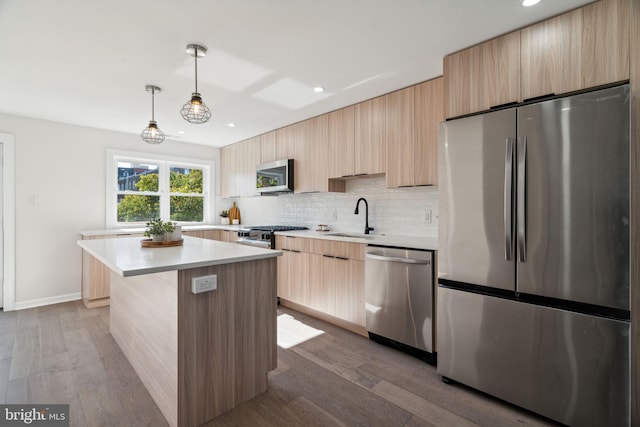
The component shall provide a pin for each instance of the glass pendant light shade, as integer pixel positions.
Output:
(151, 133)
(195, 111)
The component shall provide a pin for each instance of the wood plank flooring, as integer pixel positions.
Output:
(64, 354)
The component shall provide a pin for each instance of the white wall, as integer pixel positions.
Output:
(60, 190)
(391, 211)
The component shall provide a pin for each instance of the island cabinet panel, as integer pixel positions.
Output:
(341, 151)
(227, 339)
(551, 56)
(268, 147)
(143, 321)
(370, 137)
(605, 42)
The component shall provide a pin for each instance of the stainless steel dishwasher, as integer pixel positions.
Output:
(399, 299)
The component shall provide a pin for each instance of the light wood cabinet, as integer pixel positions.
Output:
(268, 147)
(370, 137)
(605, 42)
(482, 76)
(341, 143)
(326, 276)
(311, 156)
(413, 117)
(550, 56)
(286, 138)
(96, 277)
(238, 168)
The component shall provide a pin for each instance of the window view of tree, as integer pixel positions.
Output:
(142, 191)
(140, 178)
(188, 206)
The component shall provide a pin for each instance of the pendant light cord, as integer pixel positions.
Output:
(153, 105)
(196, 67)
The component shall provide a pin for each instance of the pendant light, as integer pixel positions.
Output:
(195, 111)
(151, 133)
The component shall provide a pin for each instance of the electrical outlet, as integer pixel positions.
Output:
(204, 283)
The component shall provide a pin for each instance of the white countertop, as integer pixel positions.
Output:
(412, 242)
(140, 230)
(127, 258)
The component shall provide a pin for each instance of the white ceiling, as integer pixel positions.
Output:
(86, 62)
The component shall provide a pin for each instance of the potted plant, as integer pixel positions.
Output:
(169, 228)
(224, 217)
(155, 230)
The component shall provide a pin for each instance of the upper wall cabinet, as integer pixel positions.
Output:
(413, 116)
(238, 168)
(370, 137)
(311, 156)
(268, 147)
(577, 50)
(482, 76)
(582, 48)
(605, 42)
(551, 62)
(341, 143)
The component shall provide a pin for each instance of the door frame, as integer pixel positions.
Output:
(9, 220)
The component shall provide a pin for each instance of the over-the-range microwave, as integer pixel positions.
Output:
(275, 177)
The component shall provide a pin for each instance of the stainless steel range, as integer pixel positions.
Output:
(263, 236)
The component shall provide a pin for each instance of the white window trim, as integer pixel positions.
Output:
(208, 185)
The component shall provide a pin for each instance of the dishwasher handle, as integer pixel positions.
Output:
(397, 259)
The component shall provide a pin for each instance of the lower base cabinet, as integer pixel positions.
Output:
(324, 276)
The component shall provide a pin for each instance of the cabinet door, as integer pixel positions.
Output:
(268, 147)
(550, 56)
(400, 137)
(370, 137)
(428, 114)
(286, 142)
(311, 156)
(212, 234)
(350, 291)
(340, 161)
(299, 277)
(229, 173)
(482, 76)
(250, 158)
(605, 42)
(499, 82)
(322, 283)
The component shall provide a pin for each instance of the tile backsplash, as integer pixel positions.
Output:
(406, 211)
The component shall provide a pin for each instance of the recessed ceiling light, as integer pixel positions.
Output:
(318, 89)
(231, 125)
(527, 3)
(181, 132)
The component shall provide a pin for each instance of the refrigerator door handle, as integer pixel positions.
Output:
(508, 198)
(522, 197)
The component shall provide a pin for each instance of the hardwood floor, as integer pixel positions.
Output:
(64, 354)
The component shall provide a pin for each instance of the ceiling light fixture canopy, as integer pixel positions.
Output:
(151, 133)
(527, 3)
(195, 111)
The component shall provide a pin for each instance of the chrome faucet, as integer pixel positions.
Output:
(366, 219)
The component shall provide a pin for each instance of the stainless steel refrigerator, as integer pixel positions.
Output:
(533, 256)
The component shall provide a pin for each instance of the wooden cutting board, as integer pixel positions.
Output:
(234, 213)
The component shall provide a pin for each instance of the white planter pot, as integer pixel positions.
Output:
(157, 237)
(224, 220)
(177, 233)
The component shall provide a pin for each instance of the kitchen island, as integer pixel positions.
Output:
(198, 354)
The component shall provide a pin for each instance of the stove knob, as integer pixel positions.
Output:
(243, 233)
(266, 236)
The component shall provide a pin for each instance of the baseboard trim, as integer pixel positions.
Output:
(47, 301)
(356, 329)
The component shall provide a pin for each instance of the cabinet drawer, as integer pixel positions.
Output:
(337, 248)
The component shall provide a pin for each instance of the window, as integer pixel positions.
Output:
(148, 187)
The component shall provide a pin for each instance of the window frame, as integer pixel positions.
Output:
(165, 163)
